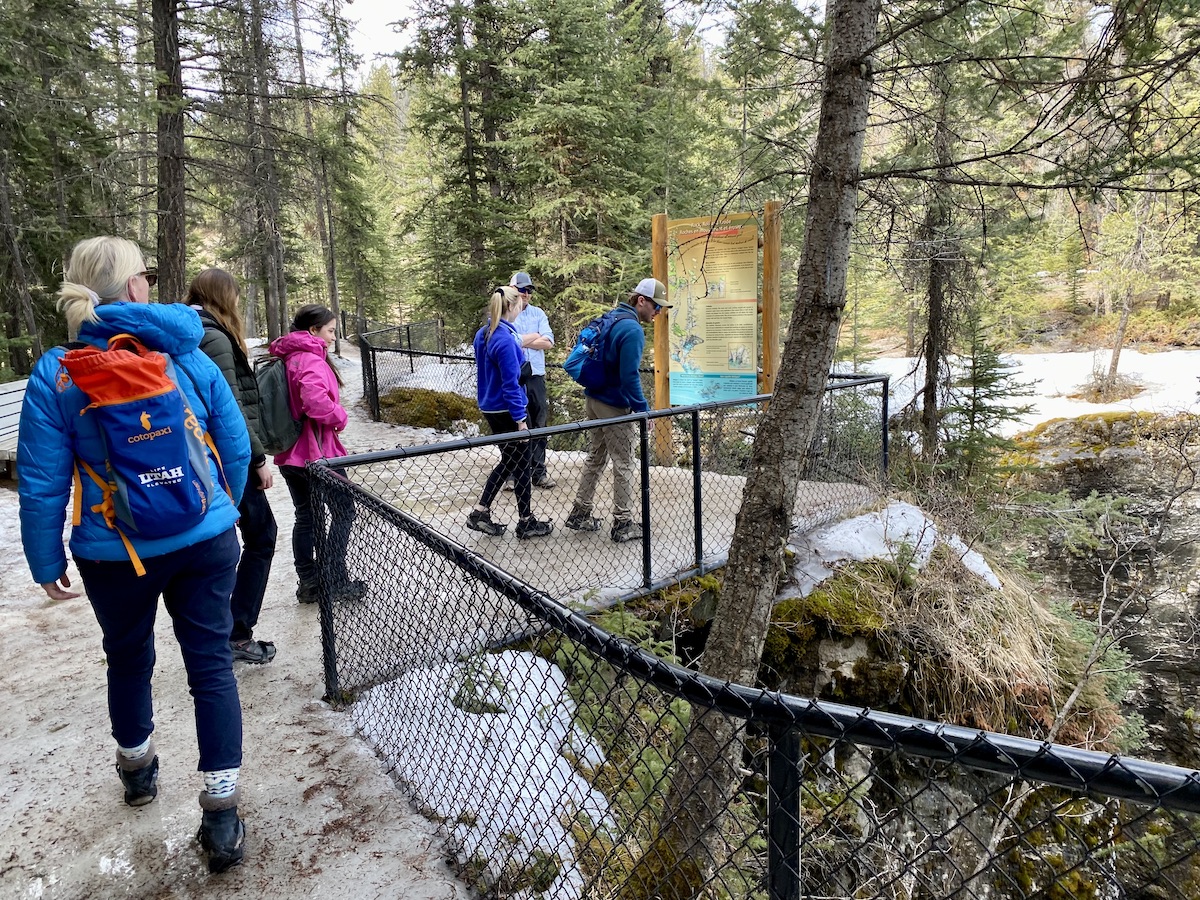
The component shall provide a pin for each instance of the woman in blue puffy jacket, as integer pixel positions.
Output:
(106, 293)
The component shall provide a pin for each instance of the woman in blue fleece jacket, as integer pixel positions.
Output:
(106, 292)
(498, 358)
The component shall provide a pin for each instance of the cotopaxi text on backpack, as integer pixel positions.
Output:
(156, 480)
(586, 362)
(278, 429)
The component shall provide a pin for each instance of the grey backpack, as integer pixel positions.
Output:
(277, 428)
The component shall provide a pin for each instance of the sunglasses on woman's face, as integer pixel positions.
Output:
(151, 276)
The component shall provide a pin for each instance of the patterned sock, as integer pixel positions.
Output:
(221, 784)
(135, 753)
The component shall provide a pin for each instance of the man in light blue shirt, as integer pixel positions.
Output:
(536, 338)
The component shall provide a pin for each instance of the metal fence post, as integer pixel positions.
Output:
(884, 417)
(375, 408)
(644, 432)
(783, 814)
(320, 489)
(697, 500)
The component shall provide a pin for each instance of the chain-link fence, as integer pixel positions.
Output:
(570, 756)
(684, 487)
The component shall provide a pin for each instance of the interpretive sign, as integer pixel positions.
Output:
(712, 272)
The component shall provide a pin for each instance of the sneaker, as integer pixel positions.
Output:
(350, 592)
(624, 530)
(307, 592)
(482, 521)
(531, 528)
(509, 485)
(252, 651)
(545, 482)
(223, 837)
(583, 522)
(141, 785)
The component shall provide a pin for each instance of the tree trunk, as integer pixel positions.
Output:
(688, 847)
(18, 359)
(268, 180)
(172, 224)
(143, 133)
(1110, 378)
(476, 248)
(1135, 261)
(324, 208)
(937, 242)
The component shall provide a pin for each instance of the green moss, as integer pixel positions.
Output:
(423, 408)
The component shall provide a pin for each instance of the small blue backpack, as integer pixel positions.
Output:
(586, 363)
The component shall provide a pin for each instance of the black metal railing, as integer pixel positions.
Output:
(419, 386)
(571, 756)
(687, 485)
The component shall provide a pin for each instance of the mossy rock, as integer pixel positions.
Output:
(423, 408)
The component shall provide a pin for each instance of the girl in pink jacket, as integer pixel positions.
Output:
(314, 389)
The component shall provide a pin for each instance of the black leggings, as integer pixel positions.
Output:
(514, 463)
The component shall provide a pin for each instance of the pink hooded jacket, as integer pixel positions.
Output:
(313, 392)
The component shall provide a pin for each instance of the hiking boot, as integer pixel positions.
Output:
(350, 592)
(252, 651)
(583, 522)
(625, 530)
(307, 592)
(545, 482)
(482, 521)
(531, 528)
(223, 837)
(141, 783)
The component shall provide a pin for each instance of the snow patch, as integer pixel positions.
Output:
(505, 776)
(900, 533)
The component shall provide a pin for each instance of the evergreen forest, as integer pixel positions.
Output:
(1028, 174)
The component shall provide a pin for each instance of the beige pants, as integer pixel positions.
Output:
(616, 441)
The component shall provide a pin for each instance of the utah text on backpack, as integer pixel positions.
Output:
(277, 428)
(157, 480)
(585, 363)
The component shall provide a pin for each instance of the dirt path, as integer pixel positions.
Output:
(322, 818)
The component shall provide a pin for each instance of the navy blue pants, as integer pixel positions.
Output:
(257, 524)
(304, 541)
(195, 583)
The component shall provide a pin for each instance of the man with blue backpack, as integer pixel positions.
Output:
(613, 387)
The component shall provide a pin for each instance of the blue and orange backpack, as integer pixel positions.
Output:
(156, 480)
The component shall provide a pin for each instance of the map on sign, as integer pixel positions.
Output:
(712, 282)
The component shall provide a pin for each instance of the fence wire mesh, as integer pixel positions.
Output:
(570, 756)
(687, 481)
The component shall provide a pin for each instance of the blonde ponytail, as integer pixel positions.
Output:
(98, 272)
(503, 299)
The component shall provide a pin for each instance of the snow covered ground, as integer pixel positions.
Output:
(1168, 379)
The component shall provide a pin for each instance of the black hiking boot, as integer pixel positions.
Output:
(223, 837)
(252, 651)
(531, 528)
(624, 530)
(578, 521)
(482, 521)
(141, 783)
(350, 592)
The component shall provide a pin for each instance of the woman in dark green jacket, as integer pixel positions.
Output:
(214, 294)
